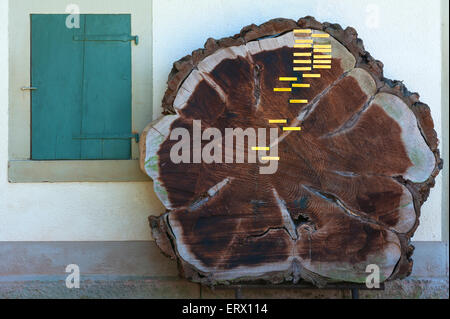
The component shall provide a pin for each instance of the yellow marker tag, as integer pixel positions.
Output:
(322, 66)
(322, 61)
(323, 50)
(302, 53)
(302, 61)
(270, 158)
(282, 90)
(304, 41)
(260, 148)
(310, 75)
(277, 121)
(288, 79)
(322, 46)
(301, 85)
(298, 101)
(323, 56)
(302, 68)
(292, 129)
(302, 46)
(302, 31)
(320, 35)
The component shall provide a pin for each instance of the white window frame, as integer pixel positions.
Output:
(20, 166)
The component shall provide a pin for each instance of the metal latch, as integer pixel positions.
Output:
(100, 37)
(134, 136)
(28, 88)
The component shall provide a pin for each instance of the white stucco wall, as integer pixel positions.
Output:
(407, 39)
(72, 211)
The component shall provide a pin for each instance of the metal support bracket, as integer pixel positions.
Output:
(354, 288)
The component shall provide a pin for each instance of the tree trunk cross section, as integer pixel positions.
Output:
(356, 156)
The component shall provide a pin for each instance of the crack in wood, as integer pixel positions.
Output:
(257, 85)
(352, 213)
(348, 125)
(288, 222)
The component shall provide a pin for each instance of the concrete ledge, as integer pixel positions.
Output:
(139, 270)
(134, 258)
(411, 288)
(27, 171)
(101, 289)
(145, 288)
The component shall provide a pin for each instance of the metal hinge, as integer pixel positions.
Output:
(134, 136)
(114, 37)
(28, 88)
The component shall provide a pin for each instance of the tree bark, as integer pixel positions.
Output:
(349, 183)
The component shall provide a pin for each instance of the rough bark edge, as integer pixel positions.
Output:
(162, 235)
(349, 38)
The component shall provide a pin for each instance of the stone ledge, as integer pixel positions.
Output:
(412, 288)
(139, 270)
(116, 289)
(143, 258)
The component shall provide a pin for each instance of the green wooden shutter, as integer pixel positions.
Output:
(82, 106)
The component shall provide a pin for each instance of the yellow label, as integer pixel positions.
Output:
(323, 56)
(302, 61)
(298, 101)
(287, 79)
(302, 31)
(282, 90)
(277, 121)
(323, 50)
(322, 46)
(302, 68)
(320, 35)
(302, 53)
(322, 61)
(322, 66)
(302, 46)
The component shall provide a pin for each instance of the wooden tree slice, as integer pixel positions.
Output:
(348, 186)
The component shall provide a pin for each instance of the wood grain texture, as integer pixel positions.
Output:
(348, 189)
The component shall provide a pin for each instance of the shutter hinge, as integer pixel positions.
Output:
(134, 136)
(114, 37)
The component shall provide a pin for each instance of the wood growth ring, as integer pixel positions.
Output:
(356, 156)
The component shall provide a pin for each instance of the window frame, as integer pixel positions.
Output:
(21, 169)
